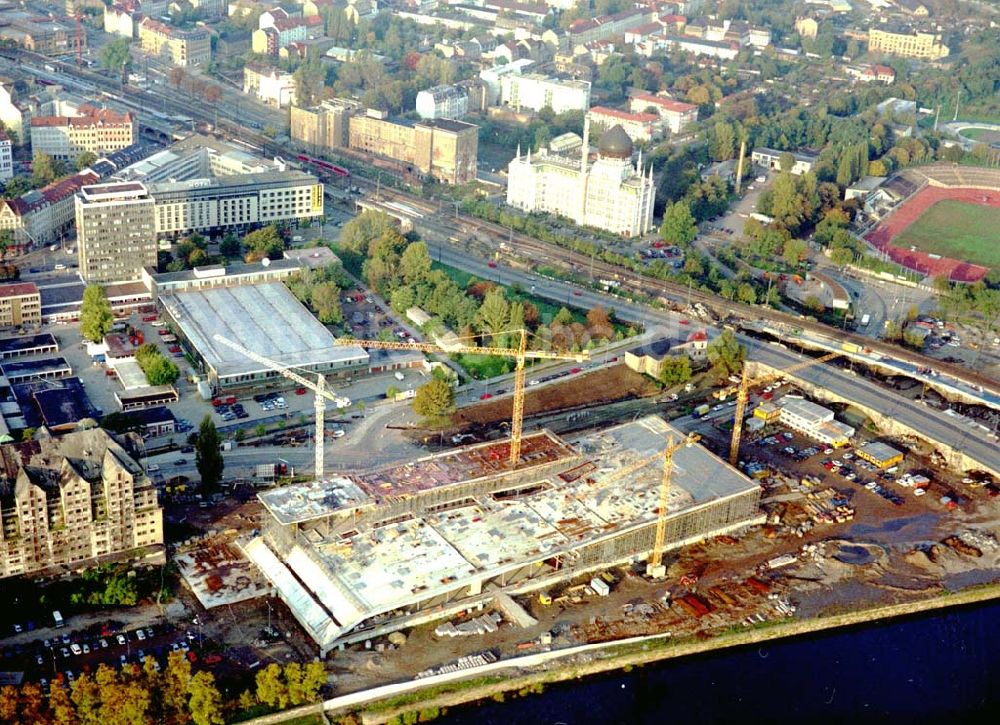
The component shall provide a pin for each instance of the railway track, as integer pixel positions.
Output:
(530, 248)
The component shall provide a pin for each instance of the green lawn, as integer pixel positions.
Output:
(956, 229)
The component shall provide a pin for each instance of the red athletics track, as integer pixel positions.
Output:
(909, 212)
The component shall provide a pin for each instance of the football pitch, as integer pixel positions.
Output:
(956, 229)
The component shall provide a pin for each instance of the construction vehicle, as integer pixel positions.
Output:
(544, 598)
(322, 395)
(520, 355)
(743, 395)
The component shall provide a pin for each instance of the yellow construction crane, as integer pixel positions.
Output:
(321, 395)
(520, 355)
(743, 395)
(654, 565)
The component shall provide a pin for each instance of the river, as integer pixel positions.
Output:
(941, 667)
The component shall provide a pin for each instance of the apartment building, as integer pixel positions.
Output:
(675, 114)
(71, 501)
(6, 157)
(324, 126)
(535, 91)
(183, 47)
(607, 26)
(42, 215)
(447, 101)
(444, 149)
(98, 130)
(20, 304)
(269, 85)
(906, 43)
(640, 127)
(116, 231)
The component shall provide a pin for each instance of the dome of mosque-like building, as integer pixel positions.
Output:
(615, 144)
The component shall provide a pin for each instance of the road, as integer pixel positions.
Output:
(652, 319)
(931, 422)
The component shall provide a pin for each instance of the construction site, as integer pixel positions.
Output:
(360, 556)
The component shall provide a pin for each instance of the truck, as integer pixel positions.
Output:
(701, 410)
(57, 617)
(865, 319)
(850, 347)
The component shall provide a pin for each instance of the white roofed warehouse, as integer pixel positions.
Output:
(265, 318)
(366, 554)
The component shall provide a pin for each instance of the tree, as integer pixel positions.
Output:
(271, 689)
(87, 697)
(212, 93)
(205, 704)
(60, 706)
(675, 370)
(841, 256)
(95, 313)
(230, 246)
(746, 294)
(85, 159)
(175, 685)
(726, 355)
(563, 317)
(493, 316)
(795, 251)
(678, 225)
(265, 242)
(326, 302)
(207, 455)
(434, 399)
(45, 169)
(362, 230)
(313, 679)
(177, 77)
(415, 263)
(309, 81)
(786, 161)
(115, 56)
(599, 323)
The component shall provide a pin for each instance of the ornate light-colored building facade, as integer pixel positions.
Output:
(74, 501)
(613, 193)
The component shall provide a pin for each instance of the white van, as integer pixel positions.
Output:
(398, 375)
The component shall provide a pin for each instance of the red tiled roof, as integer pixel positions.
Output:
(665, 103)
(626, 115)
(91, 117)
(18, 289)
(58, 190)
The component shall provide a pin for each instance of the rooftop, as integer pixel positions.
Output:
(18, 289)
(10, 345)
(378, 568)
(880, 451)
(265, 318)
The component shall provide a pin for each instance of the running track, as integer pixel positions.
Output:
(911, 209)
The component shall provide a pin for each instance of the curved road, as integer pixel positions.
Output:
(931, 422)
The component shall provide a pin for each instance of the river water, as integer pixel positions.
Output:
(940, 667)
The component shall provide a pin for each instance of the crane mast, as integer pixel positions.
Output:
(520, 354)
(319, 399)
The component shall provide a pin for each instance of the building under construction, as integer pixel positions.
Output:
(360, 556)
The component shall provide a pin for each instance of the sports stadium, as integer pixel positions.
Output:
(947, 224)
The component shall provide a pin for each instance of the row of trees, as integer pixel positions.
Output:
(133, 695)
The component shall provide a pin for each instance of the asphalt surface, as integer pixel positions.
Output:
(928, 421)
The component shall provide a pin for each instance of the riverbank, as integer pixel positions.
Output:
(381, 705)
